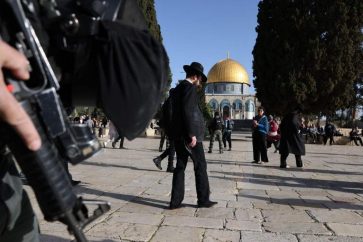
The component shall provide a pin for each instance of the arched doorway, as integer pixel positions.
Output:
(250, 109)
(226, 111)
(225, 108)
(237, 109)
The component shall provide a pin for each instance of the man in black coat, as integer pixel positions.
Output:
(291, 140)
(188, 134)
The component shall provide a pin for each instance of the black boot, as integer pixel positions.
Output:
(157, 162)
(299, 162)
(170, 167)
(283, 163)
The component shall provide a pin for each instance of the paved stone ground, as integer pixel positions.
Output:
(322, 202)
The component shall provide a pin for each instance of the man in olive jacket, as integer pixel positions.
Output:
(291, 139)
(188, 134)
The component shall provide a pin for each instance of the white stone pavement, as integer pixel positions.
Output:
(322, 202)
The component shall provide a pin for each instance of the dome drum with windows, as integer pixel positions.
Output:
(227, 90)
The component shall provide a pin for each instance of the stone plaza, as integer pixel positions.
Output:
(322, 202)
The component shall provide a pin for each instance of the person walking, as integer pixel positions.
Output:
(112, 135)
(227, 133)
(354, 136)
(215, 129)
(121, 139)
(170, 152)
(273, 136)
(260, 130)
(165, 122)
(162, 139)
(102, 127)
(188, 134)
(291, 139)
(89, 122)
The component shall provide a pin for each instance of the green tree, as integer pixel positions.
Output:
(307, 53)
(206, 110)
(148, 9)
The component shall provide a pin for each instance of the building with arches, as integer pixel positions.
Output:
(227, 90)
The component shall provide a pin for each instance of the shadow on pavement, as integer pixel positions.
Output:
(334, 154)
(52, 238)
(333, 172)
(132, 198)
(265, 179)
(294, 169)
(349, 164)
(91, 163)
(308, 202)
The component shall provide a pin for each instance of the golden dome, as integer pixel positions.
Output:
(228, 70)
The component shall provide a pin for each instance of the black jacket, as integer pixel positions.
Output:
(291, 139)
(187, 119)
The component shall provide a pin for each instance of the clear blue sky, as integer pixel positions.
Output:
(204, 31)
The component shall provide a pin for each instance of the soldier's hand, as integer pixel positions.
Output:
(193, 142)
(10, 110)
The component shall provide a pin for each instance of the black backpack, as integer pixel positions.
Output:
(217, 124)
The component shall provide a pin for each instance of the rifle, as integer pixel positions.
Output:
(61, 140)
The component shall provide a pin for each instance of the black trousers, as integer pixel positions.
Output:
(330, 137)
(162, 139)
(284, 156)
(259, 146)
(200, 172)
(227, 137)
(356, 139)
(170, 152)
(121, 139)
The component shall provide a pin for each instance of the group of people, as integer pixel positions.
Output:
(185, 139)
(220, 130)
(316, 133)
(93, 123)
(286, 138)
(187, 136)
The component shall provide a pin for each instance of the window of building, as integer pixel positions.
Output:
(210, 88)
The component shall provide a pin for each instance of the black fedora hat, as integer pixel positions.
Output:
(195, 66)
